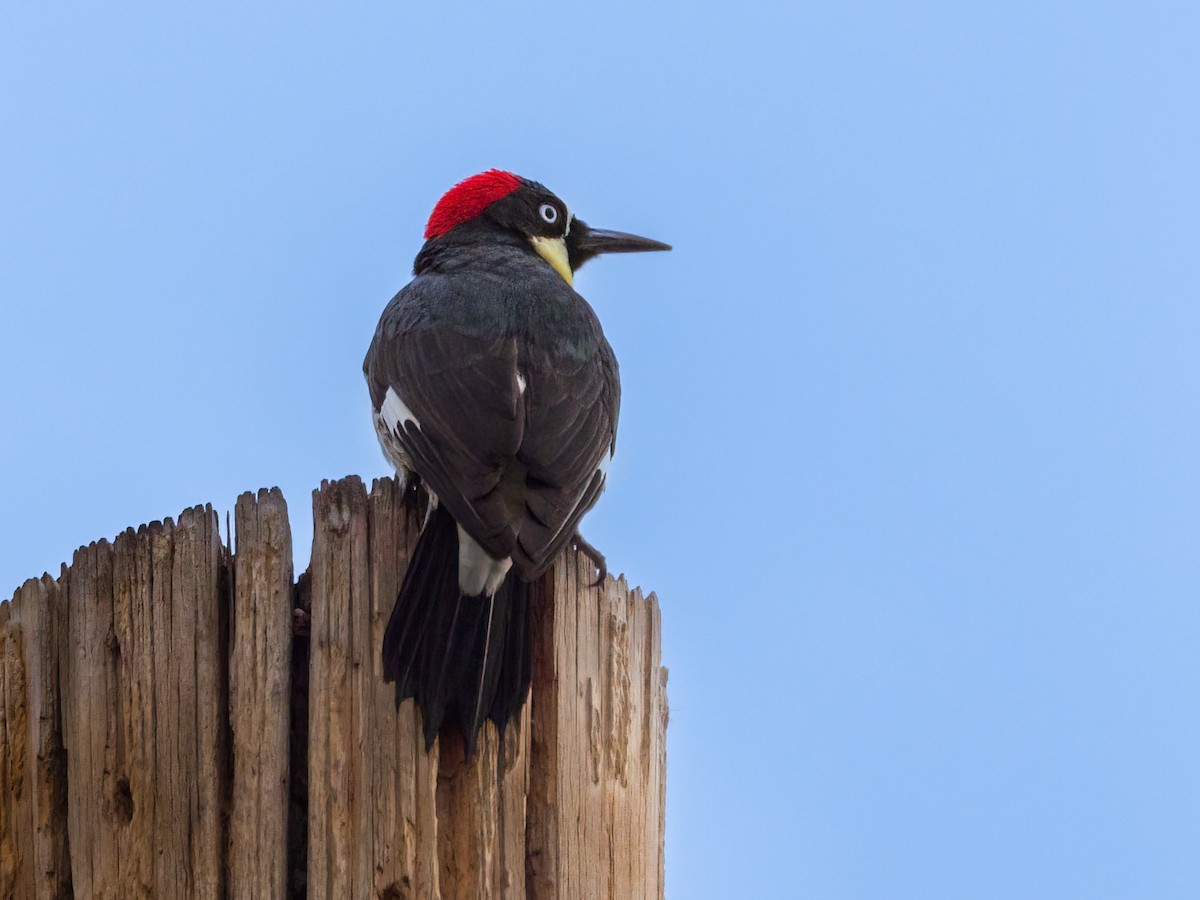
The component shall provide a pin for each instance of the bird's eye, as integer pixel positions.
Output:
(549, 213)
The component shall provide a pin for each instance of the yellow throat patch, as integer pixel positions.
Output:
(554, 251)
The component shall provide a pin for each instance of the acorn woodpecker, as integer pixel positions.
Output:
(492, 383)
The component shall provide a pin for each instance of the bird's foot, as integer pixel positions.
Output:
(595, 556)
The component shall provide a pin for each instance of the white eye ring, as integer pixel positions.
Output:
(548, 212)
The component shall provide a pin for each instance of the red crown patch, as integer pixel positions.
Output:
(469, 198)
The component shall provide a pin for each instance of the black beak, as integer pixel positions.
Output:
(584, 242)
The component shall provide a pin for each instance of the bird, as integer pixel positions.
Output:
(494, 387)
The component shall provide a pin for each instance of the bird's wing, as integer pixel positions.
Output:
(570, 435)
(448, 393)
(514, 438)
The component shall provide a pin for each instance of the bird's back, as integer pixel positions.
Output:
(516, 390)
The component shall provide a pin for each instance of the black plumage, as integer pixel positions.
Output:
(493, 383)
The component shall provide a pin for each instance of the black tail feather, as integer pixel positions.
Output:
(464, 659)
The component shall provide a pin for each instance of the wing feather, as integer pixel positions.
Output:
(510, 435)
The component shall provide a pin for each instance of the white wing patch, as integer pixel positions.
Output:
(395, 411)
(389, 419)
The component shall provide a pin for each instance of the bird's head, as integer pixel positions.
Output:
(506, 203)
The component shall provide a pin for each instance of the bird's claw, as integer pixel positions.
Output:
(594, 556)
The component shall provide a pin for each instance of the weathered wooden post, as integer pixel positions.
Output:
(163, 733)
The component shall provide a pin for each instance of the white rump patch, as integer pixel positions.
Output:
(395, 411)
(605, 462)
(478, 571)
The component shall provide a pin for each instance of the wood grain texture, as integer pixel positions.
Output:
(143, 669)
(372, 786)
(596, 804)
(403, 837)
(567, 803)
(481, 812)
(34, 857)
(259, 690)
(164, 732)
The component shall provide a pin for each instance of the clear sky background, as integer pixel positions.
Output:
(910, 445)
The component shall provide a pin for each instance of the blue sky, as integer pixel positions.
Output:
(910, 429)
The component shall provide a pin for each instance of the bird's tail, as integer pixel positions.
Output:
(464, 659)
